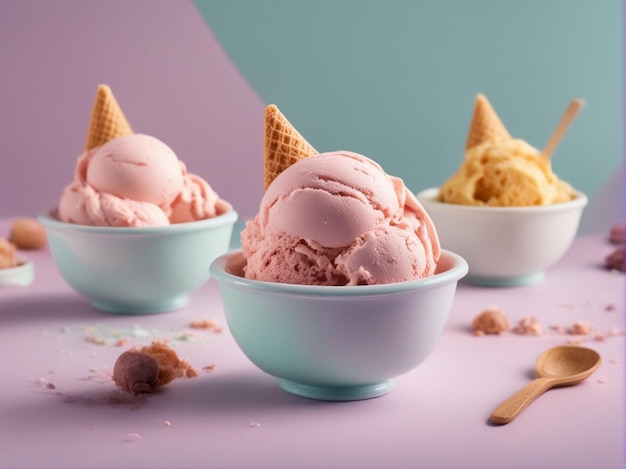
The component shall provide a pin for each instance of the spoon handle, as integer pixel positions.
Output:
(514, 405)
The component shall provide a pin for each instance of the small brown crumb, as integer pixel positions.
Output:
(27, 233)
(136, 372)
(152, 366)
(580, 328)
(491, 321)
(616, 260)
(209, 367)
(617, 234)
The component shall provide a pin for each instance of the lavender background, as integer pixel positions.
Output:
(165, 68)
(177, 81)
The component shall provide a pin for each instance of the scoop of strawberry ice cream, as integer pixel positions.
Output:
(136, 180)
(339, 219)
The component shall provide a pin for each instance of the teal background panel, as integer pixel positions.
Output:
(396, 80)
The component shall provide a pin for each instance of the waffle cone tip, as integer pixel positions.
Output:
(107, 119)
(284, 145)
(485, 124)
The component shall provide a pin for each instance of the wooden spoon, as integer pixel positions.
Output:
(558, 366)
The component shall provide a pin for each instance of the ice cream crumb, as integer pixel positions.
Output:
(167, 423)
(132, 437)
(491, 321)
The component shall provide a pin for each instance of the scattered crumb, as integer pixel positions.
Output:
(614, 361)
(617, 235)
(92, 339)
(210, 367)
(27, 233)
(528, 326)
(610, 307)
(254, 424)
(602, 380)
(616, 261)
(205, 324)
(167, 423)
(132, 437)
(122, 342)
(580, 328)
(491, 321)
(149, 368)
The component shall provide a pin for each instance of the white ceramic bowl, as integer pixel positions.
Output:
(20, 276)
(137, 270)
(505, 246)
(337, 343)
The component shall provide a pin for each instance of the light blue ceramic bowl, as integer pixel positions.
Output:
(337, 343)
(137, 270)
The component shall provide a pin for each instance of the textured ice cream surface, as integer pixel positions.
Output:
(338, 219)
(505, 173)
(136, 180)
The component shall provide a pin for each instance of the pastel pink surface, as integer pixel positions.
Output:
(335, 219)
(61, 409)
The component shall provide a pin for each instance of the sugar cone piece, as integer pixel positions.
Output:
(485, 125)
(107, 119)
(284, 145)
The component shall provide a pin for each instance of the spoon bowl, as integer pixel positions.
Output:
(559, 366)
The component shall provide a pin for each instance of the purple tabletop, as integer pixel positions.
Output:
(60, 408)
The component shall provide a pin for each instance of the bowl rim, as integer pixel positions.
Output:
(20, 275)
(430, 196)
(459, 268)
(49, 220)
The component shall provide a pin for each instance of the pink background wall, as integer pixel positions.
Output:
(166, 69)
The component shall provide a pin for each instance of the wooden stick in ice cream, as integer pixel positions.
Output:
(568, 117)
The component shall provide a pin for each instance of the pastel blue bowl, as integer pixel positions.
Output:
(337, 343)
(140, 270)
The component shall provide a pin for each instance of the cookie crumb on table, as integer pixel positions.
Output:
(491, 321)
(152, 366)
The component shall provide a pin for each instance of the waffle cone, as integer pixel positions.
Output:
(485, 125)
(284, 145)
(107, 119)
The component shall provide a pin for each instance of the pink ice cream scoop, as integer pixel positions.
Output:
(338, 219)
(136, 180)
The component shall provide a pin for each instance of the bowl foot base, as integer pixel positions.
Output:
(517, 281)
(338, 393)
(144, 308)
